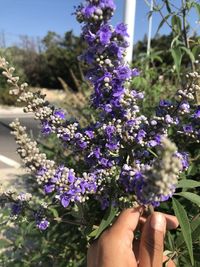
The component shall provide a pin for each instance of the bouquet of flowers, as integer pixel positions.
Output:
(126, 156)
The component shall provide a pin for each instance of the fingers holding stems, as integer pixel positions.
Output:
(118, 246)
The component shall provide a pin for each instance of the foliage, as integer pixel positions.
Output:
(182, 44)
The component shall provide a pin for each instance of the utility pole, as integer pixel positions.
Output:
(150, 29)
(129, 19)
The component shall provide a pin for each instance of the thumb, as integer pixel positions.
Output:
(152, 241)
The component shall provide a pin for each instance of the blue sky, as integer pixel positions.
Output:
(36, 17)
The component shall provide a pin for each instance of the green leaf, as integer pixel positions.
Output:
(188, 52)
(55, 212)
(106, 221)
(4, 243)
(167, 6)
(152, 152)
(197, 7)
(170, 241)
(176, 24)
(196, 233)
(176, 42)
(186, 183)
(196, 50)
(181, 215)
(177, 56)
(192, 170)
(190, 196)
(195, 229)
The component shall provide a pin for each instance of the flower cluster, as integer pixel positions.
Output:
(124, 151)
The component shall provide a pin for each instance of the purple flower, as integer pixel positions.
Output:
(81, 144)
(135, 72)
(71, 177)
(59, 113)
(107, 4)
(121, 29)
(88, 11)
(96, 152)
(48, 188)
(89, 133)
(184, 157)
(108, 108)
(58, 174)
(112, 146)
(104, 162)
(118, 92)
(196, 115)
(65, 137)
(165, 103)
(187, 128)
(89, 36)
(140, 136)
(105, 34)
(46, 128)
(124, 72)
(114, 50)
(43, 224)
(152, 143)
(168, 119)
(184, 107)
(16, 208)
(41, 171)
(65, 200)
(138, 95)
(110, 130)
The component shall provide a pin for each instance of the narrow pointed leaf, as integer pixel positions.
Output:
(188, 52)
(106, 221)
(195, 228)
(182, 217)
(185, 183)
(190, 196)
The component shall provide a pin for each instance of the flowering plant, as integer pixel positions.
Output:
(126, 157)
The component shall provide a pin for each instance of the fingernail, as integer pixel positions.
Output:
(141, 210)
(158, 222)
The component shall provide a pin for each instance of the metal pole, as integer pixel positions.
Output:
(129, 19)
(150, 30)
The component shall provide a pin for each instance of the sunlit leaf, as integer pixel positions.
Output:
(186, 183)
(188, 52)
(176, 24)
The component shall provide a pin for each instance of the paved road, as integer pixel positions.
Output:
(8, 155)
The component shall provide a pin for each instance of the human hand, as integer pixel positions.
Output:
(117, 246)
